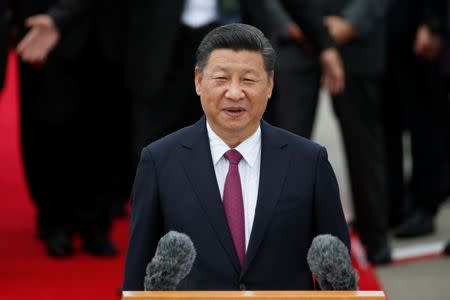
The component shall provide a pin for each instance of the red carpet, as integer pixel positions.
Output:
(26, 272)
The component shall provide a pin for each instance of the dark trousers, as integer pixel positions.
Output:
(52, 143)
(415, 101)
(295, 100)
(176, 104)
(74, 145)
(358, 111)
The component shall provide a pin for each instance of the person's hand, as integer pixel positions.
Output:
(333, 76)
(40, 39)
(295, 33)
(340, 29)
(427, 44)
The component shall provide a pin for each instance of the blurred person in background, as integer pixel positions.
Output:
(69, 115)
(357, 27)
(415, 102)
(445, 69)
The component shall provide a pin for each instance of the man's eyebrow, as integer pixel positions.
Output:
(219, 68)
(223, 68)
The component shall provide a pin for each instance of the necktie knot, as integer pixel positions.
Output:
(233, 156)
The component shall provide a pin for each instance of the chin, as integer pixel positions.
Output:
(234, 129)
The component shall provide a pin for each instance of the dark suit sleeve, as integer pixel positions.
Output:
(281, 19)
(365, 15)
(309, 19)
(433, 15)
(328, 209)
(145, 228)
(67, 12)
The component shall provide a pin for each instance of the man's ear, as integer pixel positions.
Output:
(198, 80)
(271, 83)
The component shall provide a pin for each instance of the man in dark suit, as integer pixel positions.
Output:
(68, 115)
(415, 102)
(357, 26)
(281, 186)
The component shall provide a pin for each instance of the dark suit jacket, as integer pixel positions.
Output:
(405, 16)
(81, 22)
(176, 189)
(362, 56)
(103, 21)
(308, 17)
(71, 41)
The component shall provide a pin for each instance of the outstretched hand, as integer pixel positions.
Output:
(40, 40)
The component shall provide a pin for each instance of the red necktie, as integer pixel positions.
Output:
(234, 204)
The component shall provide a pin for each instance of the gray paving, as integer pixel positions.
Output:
(423, 279)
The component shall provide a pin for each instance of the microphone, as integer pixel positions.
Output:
(173, 260)
(329, 261)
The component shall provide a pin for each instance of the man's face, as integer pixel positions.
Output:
(234, 88)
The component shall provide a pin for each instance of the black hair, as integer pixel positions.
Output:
(236, 37)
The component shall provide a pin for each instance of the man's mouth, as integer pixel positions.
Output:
(234, 111)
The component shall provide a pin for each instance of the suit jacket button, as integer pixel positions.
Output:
(242, 287)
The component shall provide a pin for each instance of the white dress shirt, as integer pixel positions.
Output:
(198, 13)
(249, 169)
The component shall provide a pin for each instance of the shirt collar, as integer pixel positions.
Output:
(249, 148)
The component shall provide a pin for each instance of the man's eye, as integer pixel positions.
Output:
(248, 80)
(221, 80)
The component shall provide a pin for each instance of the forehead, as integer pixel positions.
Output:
(228, 58)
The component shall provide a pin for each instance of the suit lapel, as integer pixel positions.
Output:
(197, 162)
(274, 160)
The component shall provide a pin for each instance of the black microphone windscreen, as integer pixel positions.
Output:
(173, 260)
(329, 261)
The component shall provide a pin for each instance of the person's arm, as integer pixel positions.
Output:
(146, 223)
(45, 29)
(309, 19)
(284, 26)
(366, 15)
(65, 13)
(329, 216)
(434, 15)
(357, 19)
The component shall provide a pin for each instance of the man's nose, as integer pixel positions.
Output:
(234, 91)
